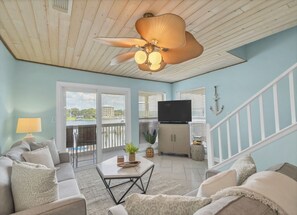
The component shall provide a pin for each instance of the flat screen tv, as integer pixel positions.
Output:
(178, 111)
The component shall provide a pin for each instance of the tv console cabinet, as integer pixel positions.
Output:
(174, 139)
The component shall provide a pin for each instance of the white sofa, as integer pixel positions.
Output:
(229, 205)
(70, 201)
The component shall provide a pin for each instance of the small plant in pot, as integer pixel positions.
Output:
(150, 138)
(131, 150)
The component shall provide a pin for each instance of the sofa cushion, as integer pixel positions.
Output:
(51, 144)
(40, 156)
(117, 209)
(64, 157)
(138, 204)
(217, 182)
(64, 172)
(236, 205)
(17, 149)
(6, 202)
(68, 188)
(32, 185)
(285, 168)
(245, 167)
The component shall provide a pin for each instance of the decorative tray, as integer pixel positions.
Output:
(128, 164)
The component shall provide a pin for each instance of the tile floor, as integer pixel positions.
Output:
(173, 166)
(181, 168)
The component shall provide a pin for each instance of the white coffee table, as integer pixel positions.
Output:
(108, 170)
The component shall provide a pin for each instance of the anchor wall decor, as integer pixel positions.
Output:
(216, 98)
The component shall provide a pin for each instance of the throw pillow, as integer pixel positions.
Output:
(216, 183)
(17, 149)
(40, 156)
(285, 168)
(32, 185)
(138, 204)
(51, 144)
(245, 167)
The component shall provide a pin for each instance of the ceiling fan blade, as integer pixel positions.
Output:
(192, 49)
(168, 30)
(146, 67)
(121, 58)
(121, 42)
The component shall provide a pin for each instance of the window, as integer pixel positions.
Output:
(148, 114)
(148, 104)
(197, 96)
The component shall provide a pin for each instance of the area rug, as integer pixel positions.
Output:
(98, 199)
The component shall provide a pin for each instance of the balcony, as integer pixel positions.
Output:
(81, 140)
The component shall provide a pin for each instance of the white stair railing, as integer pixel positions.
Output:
(217, 153)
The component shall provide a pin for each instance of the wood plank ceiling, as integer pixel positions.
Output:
(34, 31)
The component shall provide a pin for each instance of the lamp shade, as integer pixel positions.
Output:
(146, 67)
(28, 125)
(140, 57)
(155, 57)
(155, 67)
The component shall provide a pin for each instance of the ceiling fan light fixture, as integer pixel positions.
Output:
(163, 40)
(140, 57)
(155, 57)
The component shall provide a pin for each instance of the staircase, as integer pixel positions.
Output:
(236, 134)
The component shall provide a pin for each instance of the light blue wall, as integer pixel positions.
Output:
(283, 150)
(7, 64)
(266, 59)
(28, 89)
(35, 92)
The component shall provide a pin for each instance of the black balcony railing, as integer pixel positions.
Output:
(113, 135)
(81, 140)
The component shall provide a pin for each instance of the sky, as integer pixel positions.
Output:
(82, 100)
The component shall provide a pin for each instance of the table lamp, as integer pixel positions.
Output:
(29, 126)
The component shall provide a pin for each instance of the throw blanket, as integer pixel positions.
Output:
(273, 189)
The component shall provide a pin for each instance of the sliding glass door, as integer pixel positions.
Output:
(113, 121)
(81, 126)
(92, 120)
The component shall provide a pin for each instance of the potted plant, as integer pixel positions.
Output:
(150, 138)
(131, 149)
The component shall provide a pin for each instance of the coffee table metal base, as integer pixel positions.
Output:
(133, 180)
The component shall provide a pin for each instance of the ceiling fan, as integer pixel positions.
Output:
(163, 41)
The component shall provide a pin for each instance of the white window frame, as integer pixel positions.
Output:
(148, 93)
(61, 88)
(199, 119)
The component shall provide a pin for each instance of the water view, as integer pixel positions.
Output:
(93, 122)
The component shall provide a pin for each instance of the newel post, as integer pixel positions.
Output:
(210, 152)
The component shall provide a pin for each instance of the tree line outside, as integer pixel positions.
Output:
(87, 114)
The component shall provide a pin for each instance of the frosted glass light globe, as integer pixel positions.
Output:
(155, 66)
(155, 58)
(140, 57)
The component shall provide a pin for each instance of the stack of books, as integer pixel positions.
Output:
(197, 140)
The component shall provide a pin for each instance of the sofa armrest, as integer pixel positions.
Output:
(193, 193)
(64, 157)
(117, 210)
(75, 205)
(211, 172)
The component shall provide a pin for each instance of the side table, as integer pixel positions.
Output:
(197, 152)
